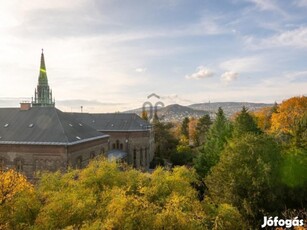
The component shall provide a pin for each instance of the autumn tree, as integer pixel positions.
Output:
(18, 203)
(144, 115)
(290, 118)
(218, 134)
(192, 131)
(247, 176)
(264, 115)
(12, 182)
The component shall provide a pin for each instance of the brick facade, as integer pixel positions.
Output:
(139, 145)
(32, 158)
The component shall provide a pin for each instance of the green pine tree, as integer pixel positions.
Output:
(245, 123)
(216, 140)
(202, 129)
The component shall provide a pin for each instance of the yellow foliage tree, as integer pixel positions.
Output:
(289, 113)
(263, 118)
(12, 182)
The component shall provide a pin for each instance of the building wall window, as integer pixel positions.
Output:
(19, 165)
(117, 144)
(113, 146)
(141, 157)
(2, 164)
(121, 146)
(146, 156)
(79, 163)
(134, 158)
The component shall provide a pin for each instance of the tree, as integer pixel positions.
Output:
(218, 134)
(12, 182)
(202, 129)
(18, 203)
(192, 131)
(247, 176)
(165, 142)
(144, 115)
(106, 195)
(182, 156)
(185, 127)
(289, 113)
(245, 123)
(263, 117)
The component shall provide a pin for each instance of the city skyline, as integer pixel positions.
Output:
(109, 56)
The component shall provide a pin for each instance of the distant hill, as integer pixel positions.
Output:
(228, 107)
(177, 112)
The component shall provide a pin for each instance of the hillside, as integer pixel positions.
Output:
(177, 112)
(228, 107)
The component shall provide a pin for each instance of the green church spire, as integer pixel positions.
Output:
(43, 94)
(42, 79)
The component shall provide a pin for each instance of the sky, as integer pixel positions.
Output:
(109, 55)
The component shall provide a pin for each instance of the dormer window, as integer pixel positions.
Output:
(6, 125)
(31, 125)
(79, 138)
(70, 125)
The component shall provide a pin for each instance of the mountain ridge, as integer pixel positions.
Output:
(176, 112)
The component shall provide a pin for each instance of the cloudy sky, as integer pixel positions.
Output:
(108, 55)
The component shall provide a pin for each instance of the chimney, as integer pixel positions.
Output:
(25, 105)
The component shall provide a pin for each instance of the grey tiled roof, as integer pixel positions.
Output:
(113, 121)
(43, 125)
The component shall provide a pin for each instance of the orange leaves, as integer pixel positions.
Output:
(289, 113)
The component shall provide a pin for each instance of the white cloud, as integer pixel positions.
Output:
(246, 64)
(296, 38)
(229, 76)
(140, 70)
(292, 76)
(268, 5)
(202, 72)
(301, 3)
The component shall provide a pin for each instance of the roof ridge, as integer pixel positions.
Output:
(57, 115)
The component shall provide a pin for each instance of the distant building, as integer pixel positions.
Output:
(41, 137)
(130, 135)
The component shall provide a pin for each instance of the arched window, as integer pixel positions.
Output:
(121, 146)
(113, 146)
(18, 165)
(79, 163)
(117, 144)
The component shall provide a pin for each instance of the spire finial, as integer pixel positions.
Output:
(42, 51)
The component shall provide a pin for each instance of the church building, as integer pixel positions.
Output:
(37, 136)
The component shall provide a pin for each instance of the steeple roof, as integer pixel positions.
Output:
(43, 94)
(42, 79)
